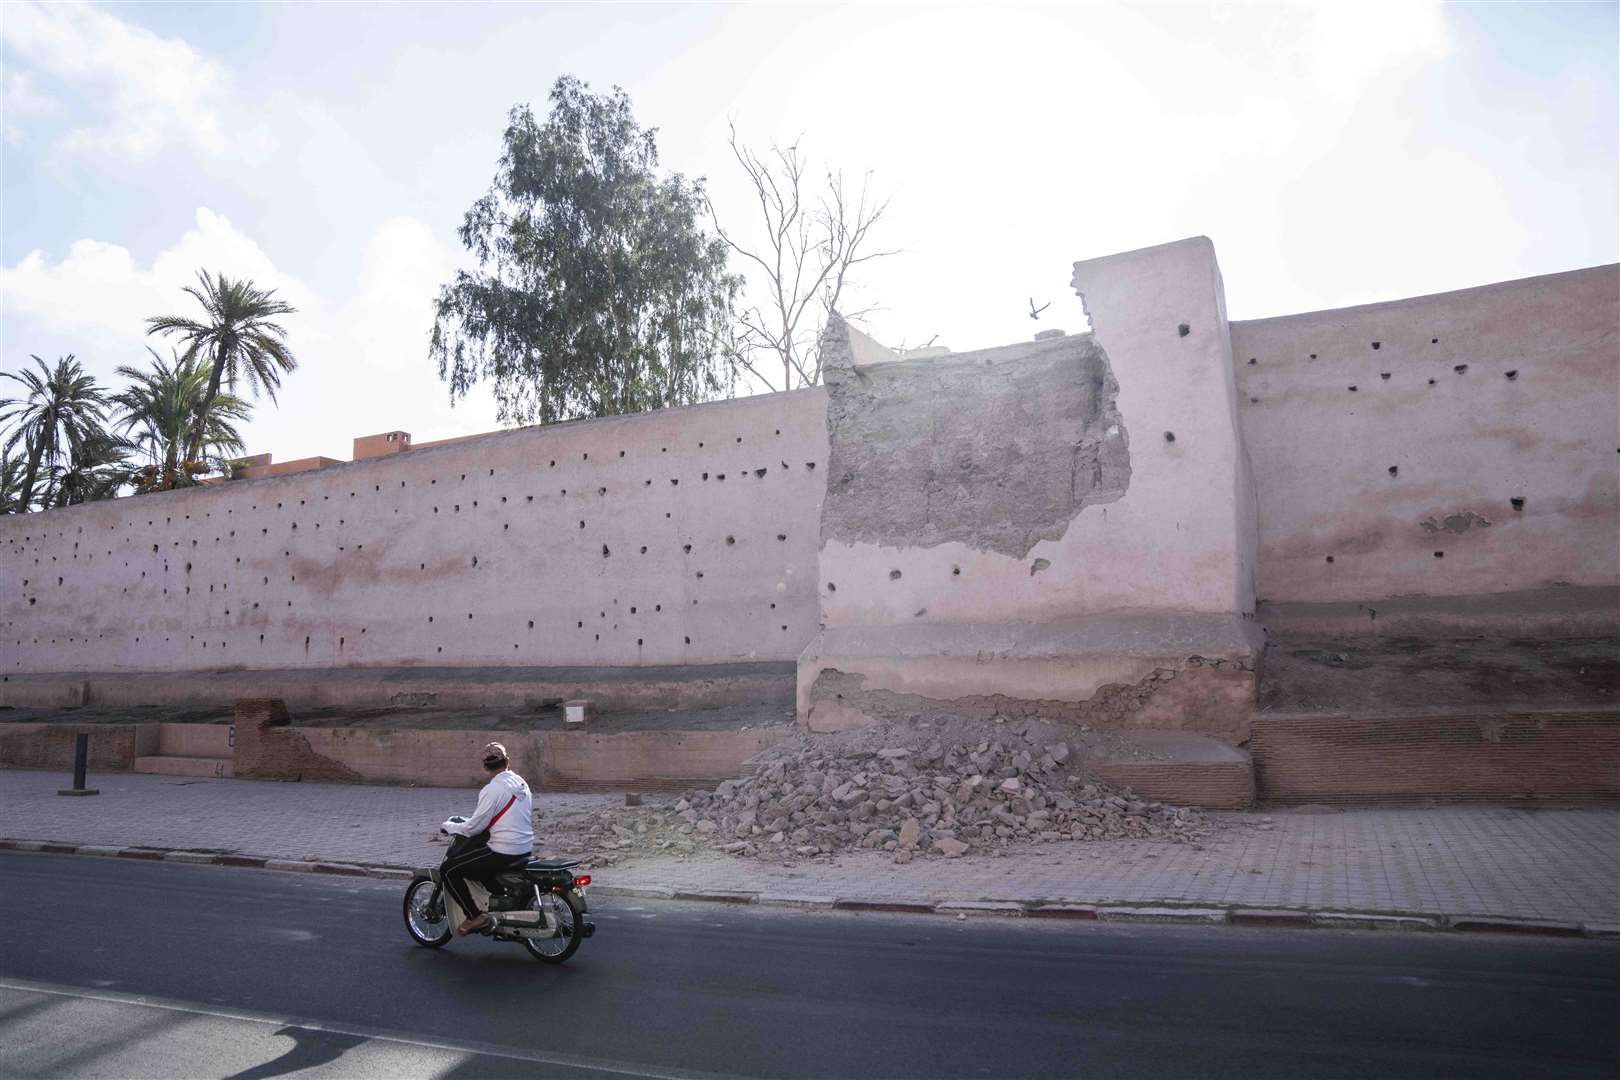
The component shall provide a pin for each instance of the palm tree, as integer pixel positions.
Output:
(63, 409)
(10, 483)
(160, 411)
(96, 470)
(237, 336)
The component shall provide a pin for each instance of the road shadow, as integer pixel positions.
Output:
(309, 1049)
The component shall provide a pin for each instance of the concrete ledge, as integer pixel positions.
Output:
(1200, 915)
(1586, 611)
(767, 684)
(980, 907)
(188, 856)
(791, 900)
(292, 865)
(643, 892)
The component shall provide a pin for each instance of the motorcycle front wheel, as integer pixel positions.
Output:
(562, 911)
(428, 928)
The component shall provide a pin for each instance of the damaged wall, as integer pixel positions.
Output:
(1047, 522)
(971, 447)
(1108, 472)
(1443, 446)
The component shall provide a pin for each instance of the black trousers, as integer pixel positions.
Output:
(476, 863)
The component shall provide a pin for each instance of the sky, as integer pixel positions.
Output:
(1335, 153)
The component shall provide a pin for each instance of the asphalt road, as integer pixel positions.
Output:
(117, 968)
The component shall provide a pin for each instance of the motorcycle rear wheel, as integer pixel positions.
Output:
(426, 931)
(563, 909)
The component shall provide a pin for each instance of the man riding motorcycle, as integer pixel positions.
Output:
(499, 836)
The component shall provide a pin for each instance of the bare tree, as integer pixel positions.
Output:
(801, 271)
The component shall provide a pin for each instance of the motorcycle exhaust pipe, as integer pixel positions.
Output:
(515, 918)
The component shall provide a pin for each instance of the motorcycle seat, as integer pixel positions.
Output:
(551, 864)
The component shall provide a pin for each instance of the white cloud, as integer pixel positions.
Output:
(98, 287)
(363, 363)
(145, 92)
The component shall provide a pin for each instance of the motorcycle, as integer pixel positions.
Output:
(541, 904)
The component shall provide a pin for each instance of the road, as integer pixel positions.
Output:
(118, 968)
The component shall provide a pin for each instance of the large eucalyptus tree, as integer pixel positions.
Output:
(597, 290)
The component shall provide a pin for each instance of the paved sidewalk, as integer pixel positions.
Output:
(1559, 865)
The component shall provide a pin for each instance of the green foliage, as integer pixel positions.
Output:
(159, 412)
(97, 469)
(597, 291)
(237, 337)
(11, 474)
(59, 420)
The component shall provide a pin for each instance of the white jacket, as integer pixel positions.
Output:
(506, 801)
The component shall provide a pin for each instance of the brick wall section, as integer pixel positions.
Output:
(268, 748)
(1553, 755)
(50, 746)
(1222, 785)
(581, 761)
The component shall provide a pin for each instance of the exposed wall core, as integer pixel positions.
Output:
(972, 448)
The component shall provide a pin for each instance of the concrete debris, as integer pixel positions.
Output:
(975, 788)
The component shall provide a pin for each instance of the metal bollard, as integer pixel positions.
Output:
(81, 760)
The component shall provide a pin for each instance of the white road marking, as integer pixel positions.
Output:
(540, 1057)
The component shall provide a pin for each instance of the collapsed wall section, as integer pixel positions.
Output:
(680, 537)
(1451, 447)
(1056, 529)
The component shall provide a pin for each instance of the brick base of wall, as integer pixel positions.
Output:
(1567, 755)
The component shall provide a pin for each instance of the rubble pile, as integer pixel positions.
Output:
(958, 792)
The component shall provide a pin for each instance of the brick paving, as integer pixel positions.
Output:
(1553, 864)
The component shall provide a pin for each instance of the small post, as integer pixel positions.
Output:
(81, 759)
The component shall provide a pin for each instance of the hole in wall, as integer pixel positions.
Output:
(1376, 344)
(1517, 502)
(1169, 436)
(1439, 554)
(1352, 388)
(894, 575)
(1183, 330)
(1511, 375)
(1330, 558)
(1460, 369)
(1384, 375)
(1394, 470)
